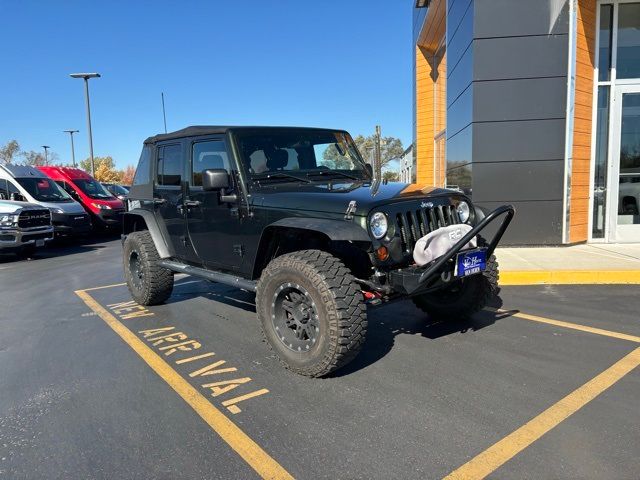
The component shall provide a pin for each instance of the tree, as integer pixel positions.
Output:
(127, 175)
(106, 173)
(391, 149)
(391, 176)
(9, 151)
(33, 158)
(105, 165)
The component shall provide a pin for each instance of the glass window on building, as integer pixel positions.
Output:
(628, 48)
(600, 164)
(604, 43)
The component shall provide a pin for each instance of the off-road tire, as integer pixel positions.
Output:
(464, 298)
(156, 284)
(339, 304)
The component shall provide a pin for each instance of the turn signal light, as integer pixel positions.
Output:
(382, 253)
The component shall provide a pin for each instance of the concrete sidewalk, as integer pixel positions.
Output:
(580, 264)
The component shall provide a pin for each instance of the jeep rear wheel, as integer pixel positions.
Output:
(312, 312)
(148, 283)
(464, 298)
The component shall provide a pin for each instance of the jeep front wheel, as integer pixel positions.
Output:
(148, 283)
(312, 312)
(464, 297)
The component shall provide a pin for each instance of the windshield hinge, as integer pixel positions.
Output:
(351, 209)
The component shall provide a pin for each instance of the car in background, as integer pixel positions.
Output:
(24, 227)
(119, 191)
(27, 184)
(105, 209)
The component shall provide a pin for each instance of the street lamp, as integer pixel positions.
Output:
(73, 152)
(46, 157)
(86, 77)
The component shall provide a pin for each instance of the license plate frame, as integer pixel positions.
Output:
(40, 243)
(471, 262)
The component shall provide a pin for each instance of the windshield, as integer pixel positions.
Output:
(300, 152)
(117, 189)
(93, 189)
(44, 189)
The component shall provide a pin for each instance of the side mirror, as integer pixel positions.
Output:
(369, 169)
(215, 179)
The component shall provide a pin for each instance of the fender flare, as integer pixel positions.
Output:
(337, 230)
(158, 233)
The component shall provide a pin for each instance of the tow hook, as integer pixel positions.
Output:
(372, 298)
(446, 276)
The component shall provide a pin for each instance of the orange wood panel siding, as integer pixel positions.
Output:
(427, 70)
(583, 105)
(424, 119)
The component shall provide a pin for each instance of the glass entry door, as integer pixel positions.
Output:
(624, 187)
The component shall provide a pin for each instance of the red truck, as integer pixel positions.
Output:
(105, 209)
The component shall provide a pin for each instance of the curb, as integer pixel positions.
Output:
(569, 277)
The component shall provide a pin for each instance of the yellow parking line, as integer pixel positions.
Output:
(501, 452)
(239, 441)
(569, 277)
(573, 326)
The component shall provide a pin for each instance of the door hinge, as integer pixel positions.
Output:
(234, 212)
(238, 249)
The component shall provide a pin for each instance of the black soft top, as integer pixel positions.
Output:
(196, 130)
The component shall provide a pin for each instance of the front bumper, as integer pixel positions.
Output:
(110, 218)
(11, 239)
(71, 223)
(413, 280)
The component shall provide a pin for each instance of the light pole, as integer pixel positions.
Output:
(86, 77)
(73, 152)
(46, 157)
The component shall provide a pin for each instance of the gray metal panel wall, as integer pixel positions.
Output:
(515, 128)
(459, 92)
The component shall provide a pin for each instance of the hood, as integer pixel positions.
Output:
(71, 208)
(335, 197)
(9, 206)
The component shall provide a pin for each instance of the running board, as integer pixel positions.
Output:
(210, 275)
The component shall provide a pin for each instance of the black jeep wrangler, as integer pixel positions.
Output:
(297, 216)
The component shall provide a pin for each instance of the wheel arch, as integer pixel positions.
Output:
(292, 234)
(137, 220)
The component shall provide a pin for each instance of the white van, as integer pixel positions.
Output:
(27, 184)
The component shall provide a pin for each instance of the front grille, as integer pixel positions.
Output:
(414, 224)
(34, 218)
(36, 236)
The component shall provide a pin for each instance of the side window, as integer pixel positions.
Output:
(6, 189)
(170, 165)
(142, 176)
(211, 154)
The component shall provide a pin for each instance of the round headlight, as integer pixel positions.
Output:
(378, 225)
(463, 211)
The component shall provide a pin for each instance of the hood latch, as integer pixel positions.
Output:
(351, 209)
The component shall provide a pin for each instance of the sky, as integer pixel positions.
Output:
(330, 63)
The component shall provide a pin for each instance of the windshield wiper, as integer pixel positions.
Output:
(327, 173)
(278, 176)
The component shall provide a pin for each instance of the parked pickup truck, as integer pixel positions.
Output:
(23, 227)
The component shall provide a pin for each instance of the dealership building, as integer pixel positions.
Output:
(534, 103)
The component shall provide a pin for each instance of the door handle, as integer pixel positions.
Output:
(191, 203)
(159, 201)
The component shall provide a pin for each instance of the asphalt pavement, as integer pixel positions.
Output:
(93, 386)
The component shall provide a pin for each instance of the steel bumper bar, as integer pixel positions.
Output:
(413, 279)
